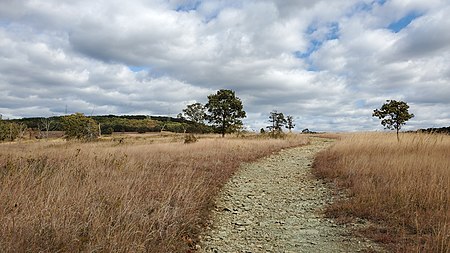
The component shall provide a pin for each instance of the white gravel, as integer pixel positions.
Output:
(276, 205)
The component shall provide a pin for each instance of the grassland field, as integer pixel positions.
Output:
(127, 193)
(152, 193)
(402, 187)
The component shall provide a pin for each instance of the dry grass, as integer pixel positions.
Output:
(404, 187)
(116, 196)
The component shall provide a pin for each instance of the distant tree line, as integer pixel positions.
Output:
(113, 123)
(223, 113)
(439, 130)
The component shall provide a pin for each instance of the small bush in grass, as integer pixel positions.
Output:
(190, 138)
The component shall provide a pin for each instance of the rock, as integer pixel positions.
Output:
(275, 205)
(308, 232)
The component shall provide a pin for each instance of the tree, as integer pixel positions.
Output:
(290, 122)
(195, 112)
(306, 131)
(394, 114)
(277, 121)
(21, 130)
(78, 126)
(45, 124)
(9, 131)
(225, 111)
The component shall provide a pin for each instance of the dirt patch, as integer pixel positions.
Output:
(276, 205)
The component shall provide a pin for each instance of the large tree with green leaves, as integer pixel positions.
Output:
(225, 111)
(195, 112)
(393, 114)
(78, 126)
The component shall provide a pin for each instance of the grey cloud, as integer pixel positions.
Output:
(426, 36)
(58, 53)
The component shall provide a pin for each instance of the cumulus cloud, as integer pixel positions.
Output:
(329, 64)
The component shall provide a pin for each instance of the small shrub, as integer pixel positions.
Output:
(142, 130)
(190, 138)
(277, 134)
(108, 130)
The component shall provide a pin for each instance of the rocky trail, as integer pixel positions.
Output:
(276, 205)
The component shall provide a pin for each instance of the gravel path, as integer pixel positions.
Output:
(275, 205)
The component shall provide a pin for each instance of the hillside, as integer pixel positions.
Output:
(123, 123)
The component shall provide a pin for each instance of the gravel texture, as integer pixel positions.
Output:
(276, 205)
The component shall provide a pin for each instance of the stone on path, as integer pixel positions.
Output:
(275, 205)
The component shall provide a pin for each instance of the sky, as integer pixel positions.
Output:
(328, 63)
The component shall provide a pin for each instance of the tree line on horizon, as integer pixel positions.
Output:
(224, 112)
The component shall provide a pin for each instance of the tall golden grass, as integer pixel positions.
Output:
(111, 196)
(402, 186)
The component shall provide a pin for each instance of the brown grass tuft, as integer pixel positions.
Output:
(132, 196)
(404, 187)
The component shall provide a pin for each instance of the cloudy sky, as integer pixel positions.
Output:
(328, 63)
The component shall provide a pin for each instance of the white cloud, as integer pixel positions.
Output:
(79, 54)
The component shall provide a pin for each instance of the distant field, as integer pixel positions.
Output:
(137, 193)
(402, 186)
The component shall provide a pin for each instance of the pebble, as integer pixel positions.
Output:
(264, 208)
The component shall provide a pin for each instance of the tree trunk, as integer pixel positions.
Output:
(223, 125)
(398, 138)
(223, 129)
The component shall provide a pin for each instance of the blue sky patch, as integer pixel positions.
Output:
(305, 57)
(333, 33)
(364, 7)
(192, 6)
(380, 2)
(400, 24)
(314, 46)
(311, 29)
(360, 103)
(137, 68)
(4, 23)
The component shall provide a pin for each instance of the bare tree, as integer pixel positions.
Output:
(45, 124)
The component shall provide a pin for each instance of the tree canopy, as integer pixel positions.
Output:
(225, 111)
(277, 121)
(9, 131)
(393, 114)
(290, 122)
(78, 126)
(195, 113)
